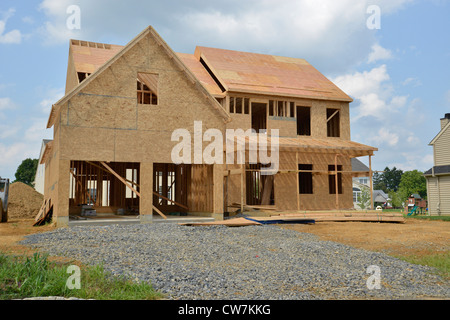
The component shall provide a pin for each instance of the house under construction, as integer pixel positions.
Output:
(113, 132)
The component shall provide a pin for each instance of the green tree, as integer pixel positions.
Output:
(396, 199)
(389, 180)
(412, 182)
(364, 198)
(392, 178)
(26, 171)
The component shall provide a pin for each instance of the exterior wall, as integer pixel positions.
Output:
(442, 149)
(438, 188)
(72, 77)
(321, 199)
(104, 122)
(287, 126)
(286, 190)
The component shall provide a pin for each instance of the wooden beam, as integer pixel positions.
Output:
(371, 182)
(174, 202)
(298, 181)
(332, 115)
(120, 178)
(242, 187)
(336, 182)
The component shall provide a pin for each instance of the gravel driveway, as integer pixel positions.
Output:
(255, 262)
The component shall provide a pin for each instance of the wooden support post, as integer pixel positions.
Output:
(371, 182)
(242, 187)
(336, 182)
(298, 182)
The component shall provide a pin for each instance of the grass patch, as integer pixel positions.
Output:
(435, 218)
(439, 261)
(23, 277)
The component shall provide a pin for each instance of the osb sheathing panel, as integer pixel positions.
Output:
(285, 185)
(321, 199)
(234, 186)
(72, 77)
(319, 118)
(102, 112)
(61, 204)
(287, 127)
(146, 188)
(106, 123)
(240, 121)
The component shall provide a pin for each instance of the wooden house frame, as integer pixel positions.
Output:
(113, 132)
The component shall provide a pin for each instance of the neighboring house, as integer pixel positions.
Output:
(39, 178)
(438, 177)
(363, 181)
(359, 182)
(113, 132)
(380, 198)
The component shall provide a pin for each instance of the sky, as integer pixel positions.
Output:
(391, 56)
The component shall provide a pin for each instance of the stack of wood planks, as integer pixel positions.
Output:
(342, 216)
(45, 213)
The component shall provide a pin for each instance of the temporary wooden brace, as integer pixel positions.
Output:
(331, 117)
(130, 187)
(371, 182)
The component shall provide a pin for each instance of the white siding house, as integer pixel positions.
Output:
(438, 177)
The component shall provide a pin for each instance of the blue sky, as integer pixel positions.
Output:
(398, 75)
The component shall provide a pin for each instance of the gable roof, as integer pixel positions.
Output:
(268, 74)
(357, 165)
(119, 53)
(445, 128)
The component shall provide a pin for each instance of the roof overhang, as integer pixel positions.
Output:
(305, 144)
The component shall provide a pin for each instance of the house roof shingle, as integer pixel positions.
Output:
(438, 170)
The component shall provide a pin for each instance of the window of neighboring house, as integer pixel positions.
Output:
(333, 119)
(82, 76)
(332, 179)
(356, 194)
(305, 179)
(147, 88)
(363, 180)
(303, 121)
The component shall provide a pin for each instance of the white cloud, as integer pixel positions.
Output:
(412, 81)
(385, 136)
(320, 31)
(379, 53)
(53, 96)
(11, 37)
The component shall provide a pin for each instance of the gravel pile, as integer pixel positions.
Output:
(255, 262)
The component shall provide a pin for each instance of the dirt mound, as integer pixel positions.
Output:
(23, 202)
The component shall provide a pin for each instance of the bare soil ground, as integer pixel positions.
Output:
(413, 238)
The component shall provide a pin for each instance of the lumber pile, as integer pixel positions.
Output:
(337, 216)
(45, 213)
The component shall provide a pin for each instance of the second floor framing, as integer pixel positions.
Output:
(291, 116)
